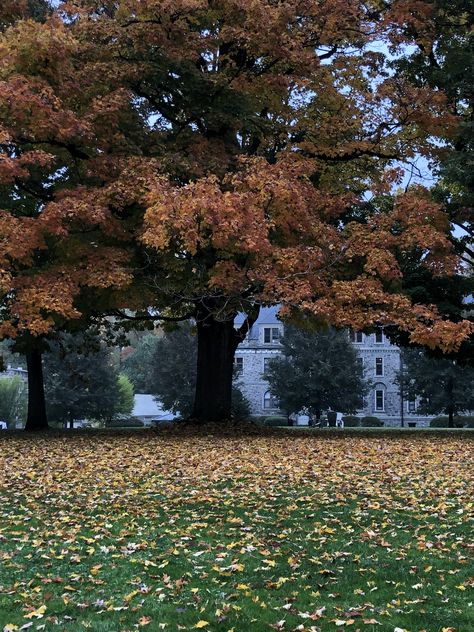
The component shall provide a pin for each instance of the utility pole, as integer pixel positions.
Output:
(402, 398)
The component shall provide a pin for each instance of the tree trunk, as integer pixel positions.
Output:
(36, 416)
(217, 342)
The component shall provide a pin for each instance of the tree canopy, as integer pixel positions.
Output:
(138, 365)
(81, 383)
(440, 384)
(318, 371)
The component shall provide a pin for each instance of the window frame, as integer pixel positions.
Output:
(379, 365)
(274, 335)
(356, 337)
(274, 403)
(376, 407)
(379, 333)
(239, 365)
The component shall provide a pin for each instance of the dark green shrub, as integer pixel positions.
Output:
(351, 421)
(461, 421)
(371, 422)
(258, 419)
(272, 422)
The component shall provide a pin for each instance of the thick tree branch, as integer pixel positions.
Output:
(169, 319)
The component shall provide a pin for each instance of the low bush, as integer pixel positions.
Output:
(275, 421)
(256, 419)
(371, 422)
(459, 421)
(351, 421)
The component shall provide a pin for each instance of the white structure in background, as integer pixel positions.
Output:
(148, 410)
(14, 372)
(380, 360)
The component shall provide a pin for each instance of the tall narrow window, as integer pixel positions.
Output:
(411, 406)
(379, 335)
(378, 366)
(239, 365)
(379, 399)
(266, 364)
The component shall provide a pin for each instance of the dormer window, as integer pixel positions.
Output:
(271, 334)
(356, 336)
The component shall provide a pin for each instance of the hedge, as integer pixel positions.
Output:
(463, 421)
(351, 421)
(275, 421)
(371, 422)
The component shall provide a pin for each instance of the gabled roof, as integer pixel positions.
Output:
(267, 316)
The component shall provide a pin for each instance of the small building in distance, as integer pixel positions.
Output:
(379, 357)
(15, 372)
(148, 410)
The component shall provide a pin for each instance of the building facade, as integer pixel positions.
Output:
(380, 360)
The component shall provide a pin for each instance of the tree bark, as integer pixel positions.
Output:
(217, 342)
(36, 417)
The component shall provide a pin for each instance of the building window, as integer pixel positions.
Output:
(411, 406)
(239, 365)
(271, 334)
(379, 335)
(360, 363)
(378, 366)
(266, 365)
(379, 399)
(269, 401)
(356, 336)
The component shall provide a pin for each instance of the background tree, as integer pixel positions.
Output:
(443, 59)
(318, 371)
(173, 373)
(138, 365)
(126, 400)
(13, 400)
(81, 383)
(441, 384)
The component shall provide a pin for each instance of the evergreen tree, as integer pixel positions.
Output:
(441, 384)
(80, 382)
(317, 371)
(138, 365)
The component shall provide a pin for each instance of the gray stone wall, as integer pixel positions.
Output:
(254, 350)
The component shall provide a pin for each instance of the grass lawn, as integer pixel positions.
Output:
(170, 530)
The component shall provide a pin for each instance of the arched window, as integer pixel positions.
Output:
(269, 401)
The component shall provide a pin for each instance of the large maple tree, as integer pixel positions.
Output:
(202, 158)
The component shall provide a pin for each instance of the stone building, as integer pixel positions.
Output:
(380, 360)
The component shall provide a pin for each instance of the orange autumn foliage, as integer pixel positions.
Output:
(216, 150)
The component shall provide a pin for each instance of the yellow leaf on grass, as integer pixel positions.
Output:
(10, 627)
(36, 613)
(201, 624)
